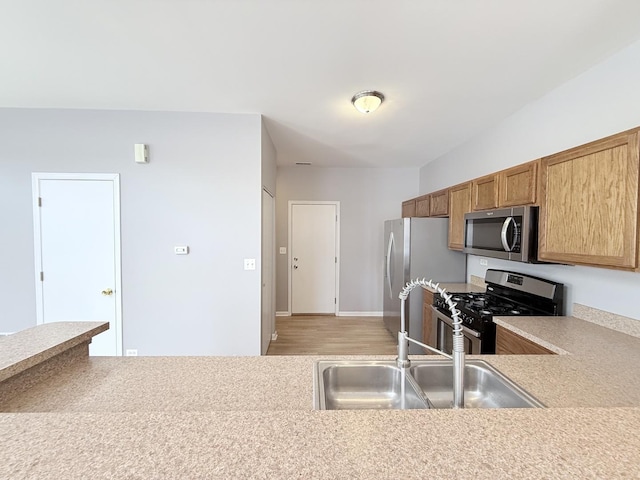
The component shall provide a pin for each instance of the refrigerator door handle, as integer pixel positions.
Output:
(389, 257)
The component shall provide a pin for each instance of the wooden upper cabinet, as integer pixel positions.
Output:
(517, 185)
(409, 208)
(422, 206)
(589, 204)
(485, 192)
(459, 204)
(439, 203)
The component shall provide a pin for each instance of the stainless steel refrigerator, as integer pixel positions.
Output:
(416, 248)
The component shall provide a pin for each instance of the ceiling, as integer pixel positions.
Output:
(449, 69)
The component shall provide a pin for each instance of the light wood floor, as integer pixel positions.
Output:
(328, 335)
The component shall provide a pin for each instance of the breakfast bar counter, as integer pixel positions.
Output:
(252, 417)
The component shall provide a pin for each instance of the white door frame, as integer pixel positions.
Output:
(272, 277)
(289, 263)
(115, 179)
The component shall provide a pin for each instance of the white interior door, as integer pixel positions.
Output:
(77, 244)
(314, 258)
(268, 252)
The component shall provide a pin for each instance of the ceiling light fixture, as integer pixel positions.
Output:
(367, 101)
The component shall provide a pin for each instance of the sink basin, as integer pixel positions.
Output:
(484, 386)
(364, 384)
(359, 385)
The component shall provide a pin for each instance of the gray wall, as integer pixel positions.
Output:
(202, 188)
(600, 102)
(368, 197)
(269, 157)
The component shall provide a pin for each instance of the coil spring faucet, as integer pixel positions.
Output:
(458, 338)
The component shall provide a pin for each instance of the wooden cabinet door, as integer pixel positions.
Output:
(409, 208)
(517, 185)
(510, 343)
(439, 203)
(485, 192)
(428, 335)
(422, 206)
(589, 204)
(459, 204)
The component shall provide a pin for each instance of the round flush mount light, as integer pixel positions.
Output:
(367, 101)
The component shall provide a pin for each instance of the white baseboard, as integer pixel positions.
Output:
(341, 314)
(274, 336)
(2, 334)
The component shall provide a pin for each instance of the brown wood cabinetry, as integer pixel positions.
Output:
(517, 185)
(510, 343)
(409, 208)
(427, 320)
(422, 206)
(459, 204)
(589, 204)
(485, 192)
(439, 203)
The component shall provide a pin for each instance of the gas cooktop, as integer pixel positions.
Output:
(484, 304)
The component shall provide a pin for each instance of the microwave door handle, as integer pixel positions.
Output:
(503, 234)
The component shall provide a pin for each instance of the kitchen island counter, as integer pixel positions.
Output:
(252, 417)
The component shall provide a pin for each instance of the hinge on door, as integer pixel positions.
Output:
(39, 201)
(335, 300)
(336, 259)
(42, 276)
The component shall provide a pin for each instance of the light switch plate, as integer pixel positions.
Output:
(483, 262)
(283, 250)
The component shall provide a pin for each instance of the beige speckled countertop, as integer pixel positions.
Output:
(252, 417)
(24, 349)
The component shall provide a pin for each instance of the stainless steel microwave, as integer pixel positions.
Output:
(507, 233)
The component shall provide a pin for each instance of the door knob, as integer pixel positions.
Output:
(295, 267)
(107, 292)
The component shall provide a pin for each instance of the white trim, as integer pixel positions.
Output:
(4, 334)
(36, 177)
(360, 314)
(337, 239)
(283, 314)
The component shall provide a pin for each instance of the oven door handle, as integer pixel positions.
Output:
(443, 318)
(503, 234)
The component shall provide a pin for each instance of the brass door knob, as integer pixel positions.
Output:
(107, 292)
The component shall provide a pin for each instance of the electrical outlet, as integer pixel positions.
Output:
(249, 263)
(483, 262)
(131, 352)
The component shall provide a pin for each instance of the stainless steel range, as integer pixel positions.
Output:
(507, 294)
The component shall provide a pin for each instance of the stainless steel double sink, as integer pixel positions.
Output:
(364, 384)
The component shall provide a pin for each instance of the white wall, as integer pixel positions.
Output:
(202, 188)
(368, 197)
(598, 103)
